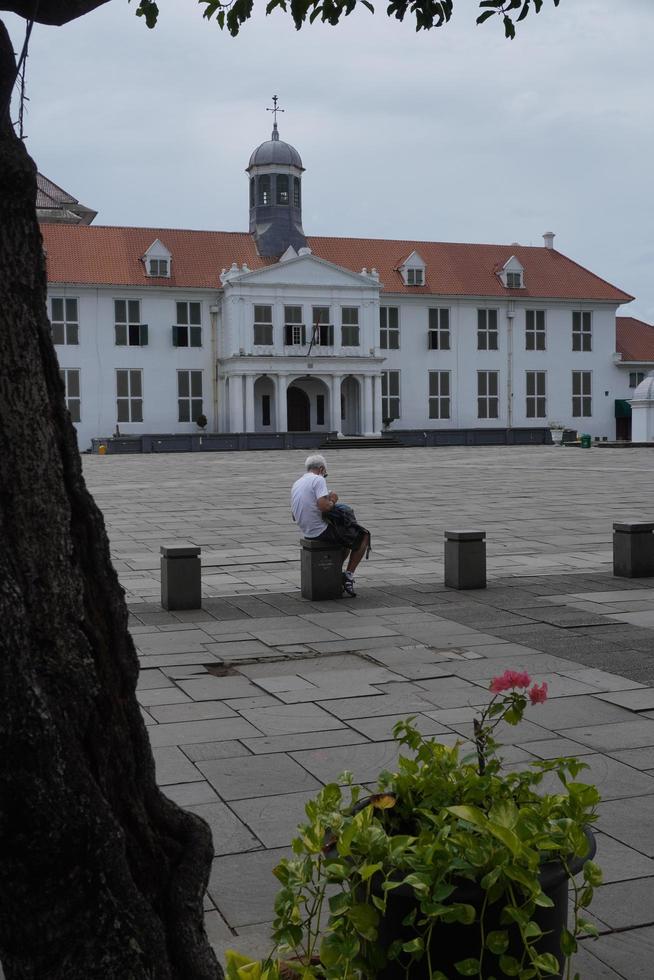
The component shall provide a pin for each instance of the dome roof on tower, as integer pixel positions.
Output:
(275, 151)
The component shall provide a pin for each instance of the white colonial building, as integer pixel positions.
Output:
(270, 332)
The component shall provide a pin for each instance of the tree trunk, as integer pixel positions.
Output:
(101, 876)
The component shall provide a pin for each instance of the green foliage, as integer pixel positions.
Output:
(440, 820)
(427, 14)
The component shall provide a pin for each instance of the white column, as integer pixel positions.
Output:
(367, 407)
(249, 403)
(281, 383)
(335, 404)
(378, 403)
(236, 403)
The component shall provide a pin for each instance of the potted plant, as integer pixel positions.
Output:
(454, 867)
(201, 422)
(556, 431)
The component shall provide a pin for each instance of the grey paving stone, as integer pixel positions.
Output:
(641, 699)
(288, 719)
(211, 688)
(230, 835)
(149, 679)
(630, 821)
(607, 738)
(214, 730)
(260, 775)
(642, 758)
(234, 650)
(219, 934)
(304, 740)
(628, 953)
(284, 682)
(602, 679)
(589, 967)
(613, 779)
(274, 819)
(172, 766)
(619, 862)
(191, 711)
(552, 748)
(169, 695)
(454, 692)
(560, 713)
(368, 707)
(364, 761)
(178, 641)
(243, 887)
(347, 646)
(625, 904)
(200, 751)
(188, 793)
(380, 728)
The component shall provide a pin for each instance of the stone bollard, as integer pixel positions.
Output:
(180, 577)
(633, 549)
(465, 559)
(321, 569)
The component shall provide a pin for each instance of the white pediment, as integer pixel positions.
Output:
(307, 270)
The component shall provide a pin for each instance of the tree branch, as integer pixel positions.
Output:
(52, 12)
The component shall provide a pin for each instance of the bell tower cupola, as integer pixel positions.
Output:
(275, 171)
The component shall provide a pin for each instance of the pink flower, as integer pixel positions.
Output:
(509, 680)
(538, 695)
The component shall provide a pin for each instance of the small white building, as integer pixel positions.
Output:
(271, 332)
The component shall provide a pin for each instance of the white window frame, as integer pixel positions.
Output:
(72, 379)
(133, 399)
(261, 324)
(488, 337)
(536, 398)
(438, 333)
(535, 330)
(187, 332)
(415, 276)
(391, 399)
(635, 378)
(513, 279)
(322, 330)
(295, 331)
(65, 329)
(582, 331)
(389, 327)
(582, 400)
(189, 402)
(129, 331)
(158, 268)
(351, 329)
(440, 394)
(488, 397)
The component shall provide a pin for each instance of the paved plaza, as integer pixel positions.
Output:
(261, 697)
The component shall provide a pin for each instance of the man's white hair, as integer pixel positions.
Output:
(315, 462)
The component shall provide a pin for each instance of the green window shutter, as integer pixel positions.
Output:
(144, 335)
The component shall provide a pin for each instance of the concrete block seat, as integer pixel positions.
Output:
(321, 569)
(633, 549)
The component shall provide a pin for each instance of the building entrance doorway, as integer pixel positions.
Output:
(298, 410)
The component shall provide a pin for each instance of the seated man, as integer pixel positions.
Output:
(311, 501)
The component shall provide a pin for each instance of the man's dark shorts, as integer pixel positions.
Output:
(329, 534)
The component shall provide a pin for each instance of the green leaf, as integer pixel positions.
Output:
(510, 966)
(414, 946)
(467, 968)
(340, 903)
(368, 870)
(365, 919)
(498, 941)
(568, 943)
(480, 20)
(547, 962)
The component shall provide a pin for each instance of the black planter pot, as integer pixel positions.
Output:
(453, 942)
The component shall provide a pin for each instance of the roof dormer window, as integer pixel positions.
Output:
(512, 274)
(157, 261)
(412, 270)
(158, 267)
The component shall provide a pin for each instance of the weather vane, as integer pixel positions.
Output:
(274, 109)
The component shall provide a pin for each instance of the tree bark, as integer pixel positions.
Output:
(101, 876)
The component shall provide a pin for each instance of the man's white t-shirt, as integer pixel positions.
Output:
(305, 493)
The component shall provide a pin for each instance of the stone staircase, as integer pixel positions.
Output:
(361, 442)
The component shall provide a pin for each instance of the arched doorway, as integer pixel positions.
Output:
(298, 410)
(350, 406)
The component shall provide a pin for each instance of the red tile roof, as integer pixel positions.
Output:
(634, 339)
(112, 256)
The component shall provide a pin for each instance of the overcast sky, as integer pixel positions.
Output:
(456, 135)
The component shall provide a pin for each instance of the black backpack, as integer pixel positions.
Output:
(348, 532)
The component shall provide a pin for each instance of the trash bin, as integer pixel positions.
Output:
(585, 441)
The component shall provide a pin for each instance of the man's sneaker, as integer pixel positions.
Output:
(348, 584)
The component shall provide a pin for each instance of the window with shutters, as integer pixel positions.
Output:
(295, 331)
(71, 380)
(582, 331)
(487, 330)
(439, 394)
(189, 395)
(439, 329)
(488, 402)
(635, 378)
(323, 328)
(263, 327)
(581, 394)
(187, 332)
(535, 330)
(130, 332)
(350, 326)
(64, 321)
(536, 407)
(129, 395)
(389, 328)
(390, 391)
